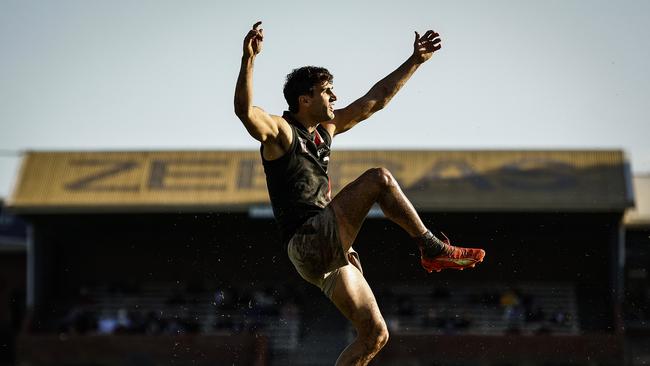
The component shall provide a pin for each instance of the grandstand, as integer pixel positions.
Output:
(12, 280)
(185, 239)
(481, 309)
(636, 306)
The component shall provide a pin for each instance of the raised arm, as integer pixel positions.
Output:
(261, 125)
(385, 89)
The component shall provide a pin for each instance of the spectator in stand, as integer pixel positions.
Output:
(123, 321)
(174, 327)
(107, 322)
(510, 302)
(153, 324)
(560, 318)
(79, 321)
(264, 302)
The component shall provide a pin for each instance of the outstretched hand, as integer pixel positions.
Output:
(425, 46)
(253, 40)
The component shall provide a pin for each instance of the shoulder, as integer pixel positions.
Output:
(281, 144)
(284, 129)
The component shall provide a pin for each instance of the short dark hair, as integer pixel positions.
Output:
(301, 81)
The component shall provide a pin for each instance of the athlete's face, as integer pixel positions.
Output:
(321, 106)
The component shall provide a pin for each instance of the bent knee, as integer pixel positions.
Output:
(382, 177)
(382, 337)
(377, 337)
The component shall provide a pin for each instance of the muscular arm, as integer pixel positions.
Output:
(385, 89)
(259, 124)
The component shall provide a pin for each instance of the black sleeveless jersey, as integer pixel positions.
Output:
(298, 184)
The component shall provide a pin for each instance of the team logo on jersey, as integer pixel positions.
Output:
(303, 144)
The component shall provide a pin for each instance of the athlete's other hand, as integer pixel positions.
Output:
(425, 46)
(253, 41)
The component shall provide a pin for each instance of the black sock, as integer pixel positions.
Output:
(431, 246)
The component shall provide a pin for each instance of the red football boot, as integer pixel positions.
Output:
(450, 257)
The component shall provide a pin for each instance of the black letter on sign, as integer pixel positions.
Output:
(115, 167)
(160, 171)
(538, 174)
(435, 177)
(247, 177)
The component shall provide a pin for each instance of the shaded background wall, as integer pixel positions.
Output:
(212, 249)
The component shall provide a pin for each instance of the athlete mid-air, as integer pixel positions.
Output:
(319, 230)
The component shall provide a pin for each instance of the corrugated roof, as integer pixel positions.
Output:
(214, 180)
(640, 214)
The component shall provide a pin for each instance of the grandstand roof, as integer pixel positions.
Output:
(191, 181)
(640, 214)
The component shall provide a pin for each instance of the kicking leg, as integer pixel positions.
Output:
(354, 298)
(352, 204)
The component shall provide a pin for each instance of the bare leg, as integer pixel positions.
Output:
(377, 185)
(354, 298)
(352, 294)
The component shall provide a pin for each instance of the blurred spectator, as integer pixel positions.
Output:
(392, 323)
(153, 324)
(107, 322)
(559, 317)
(123, 321)
(264, 302)
(78, 321)
(510, 302)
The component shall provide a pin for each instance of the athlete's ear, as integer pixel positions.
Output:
(304, 100)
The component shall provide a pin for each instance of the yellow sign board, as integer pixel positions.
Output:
(210, 180)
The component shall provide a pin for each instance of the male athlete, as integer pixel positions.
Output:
(319, 230)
